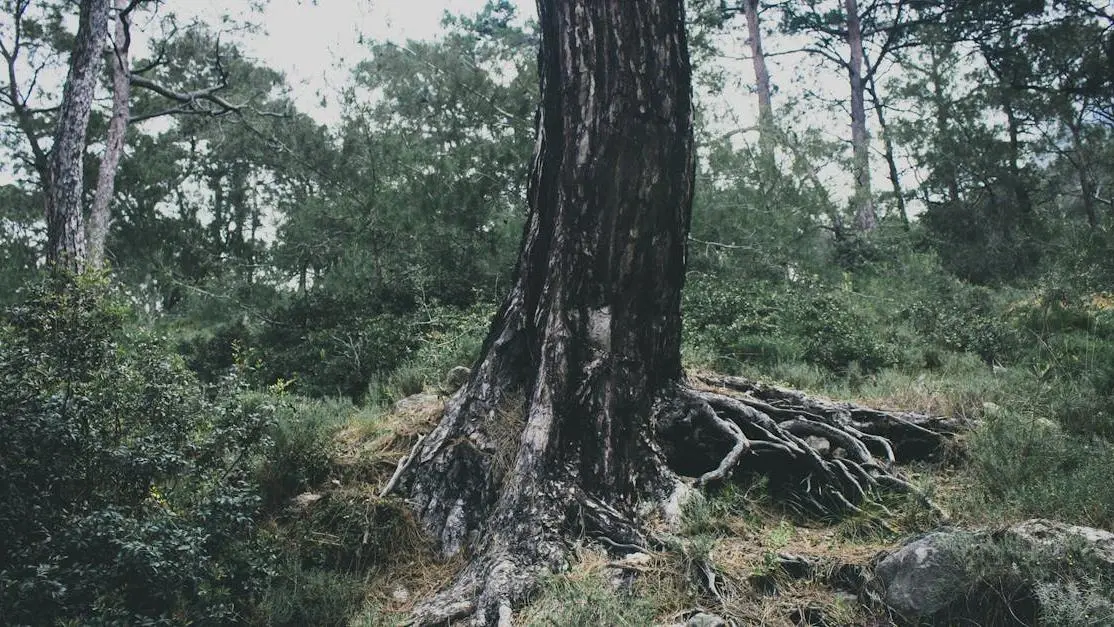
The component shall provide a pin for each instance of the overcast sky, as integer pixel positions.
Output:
(317, 44)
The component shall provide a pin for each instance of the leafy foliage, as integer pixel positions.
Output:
(126, 495)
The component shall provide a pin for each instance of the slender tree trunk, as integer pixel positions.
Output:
(100, 214)
(866, 219)
(761, 80)
(1019, 191)
(1086, 182)
(65, 228)
(888, 144)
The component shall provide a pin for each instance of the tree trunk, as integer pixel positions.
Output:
(761, 80)
(65, 228)
(1017, 186)
(888, 144)
(558, 410)
(1083, 171)
(866, 219)
(100, 213)
(577, 419)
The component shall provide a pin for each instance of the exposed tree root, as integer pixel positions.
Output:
(822, 458)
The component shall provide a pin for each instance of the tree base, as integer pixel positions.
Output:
(821, 458)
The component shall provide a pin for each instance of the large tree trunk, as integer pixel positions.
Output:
(65, 228)
(577, 418)
(558, 410)
(100, 212)
(866, 219)
(761, 80)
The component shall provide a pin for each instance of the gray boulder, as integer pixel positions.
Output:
(927, 574)
(941, 574)
(704, 619)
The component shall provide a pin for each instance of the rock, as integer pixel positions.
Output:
(1056, 537)
(416, 402)
(928, 576)
(925, 576)
(704, 619)
(455, 378)
(306, 499)
(819, 444)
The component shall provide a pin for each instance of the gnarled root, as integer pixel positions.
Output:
(822, 457)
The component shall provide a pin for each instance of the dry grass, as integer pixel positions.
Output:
(369, 450)
(504, 427)
(742, 549)
(394, 593)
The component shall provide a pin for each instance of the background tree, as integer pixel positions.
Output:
(32, 49)
(65, 221)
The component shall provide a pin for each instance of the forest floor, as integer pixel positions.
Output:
(738, 554)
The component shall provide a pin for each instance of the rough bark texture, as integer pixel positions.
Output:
(866, 219)
(24, 115)
(100, 213)
(761, 79)
(577, 420)
(65, 228)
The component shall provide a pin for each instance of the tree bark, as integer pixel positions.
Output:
(65, 228)
(100, 213)
(1083, 171)
(761, 80)
(577, 419)
(866, 219)
(888, 155)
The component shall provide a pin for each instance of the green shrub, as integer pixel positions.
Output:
(311, 596)
(327, 352)
(450, 337)
(838, 338)
(124, 489)
(734, 324)
(965, 320)
(300, 454)
(1017, 583)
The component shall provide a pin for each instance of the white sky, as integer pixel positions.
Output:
(317, 44)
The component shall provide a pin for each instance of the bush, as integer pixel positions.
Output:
(450, 337)
(965, 320)
(1018, 583)
(300, 454)
(125, 494)
(838, 338)
(736, 324)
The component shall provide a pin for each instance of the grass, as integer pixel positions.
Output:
(1039, 449)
